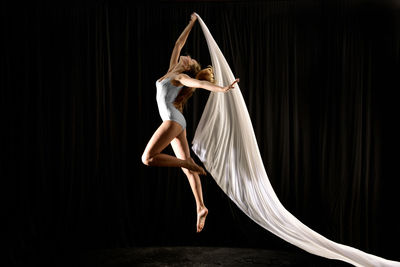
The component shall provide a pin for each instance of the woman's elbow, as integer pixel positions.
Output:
(179, 44)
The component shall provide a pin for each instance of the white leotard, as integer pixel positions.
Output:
(166, 94)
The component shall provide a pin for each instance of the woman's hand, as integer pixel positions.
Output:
(229, 87)
(193, 17)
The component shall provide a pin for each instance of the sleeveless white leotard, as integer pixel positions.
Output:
(166, 94)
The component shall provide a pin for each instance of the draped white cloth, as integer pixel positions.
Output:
(226, 144)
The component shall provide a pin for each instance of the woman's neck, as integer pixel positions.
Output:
(178, 68)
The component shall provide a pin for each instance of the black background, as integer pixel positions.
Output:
(320, 80)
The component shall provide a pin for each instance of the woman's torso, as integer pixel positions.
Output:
(167, 90)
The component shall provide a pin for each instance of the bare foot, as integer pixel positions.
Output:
(192, 166)
(201, 218)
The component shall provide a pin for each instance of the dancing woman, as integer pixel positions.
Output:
(173, 90)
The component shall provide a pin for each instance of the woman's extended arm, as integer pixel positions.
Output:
(190, 82)
(181, 42)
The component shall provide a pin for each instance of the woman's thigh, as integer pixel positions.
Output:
(162, 137)
(180, 146)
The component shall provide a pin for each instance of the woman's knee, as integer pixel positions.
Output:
(147, 159)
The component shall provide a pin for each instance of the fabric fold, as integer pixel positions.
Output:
(225, 142)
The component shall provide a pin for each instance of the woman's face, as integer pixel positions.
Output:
(187, 61)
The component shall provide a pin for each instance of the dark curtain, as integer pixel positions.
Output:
(78, 108)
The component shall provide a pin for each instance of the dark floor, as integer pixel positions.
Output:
(195, 256)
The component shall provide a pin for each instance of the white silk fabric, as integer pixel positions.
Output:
(226, 144)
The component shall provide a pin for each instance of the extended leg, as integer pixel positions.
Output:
(181, 150)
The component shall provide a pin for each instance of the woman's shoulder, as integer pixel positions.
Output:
(173, 77)
(168, 75)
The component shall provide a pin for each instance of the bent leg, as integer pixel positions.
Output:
(152, 156)
(163, 136)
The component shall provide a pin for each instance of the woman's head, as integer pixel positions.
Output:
(191, 66)
(185, 93)
(206, 74)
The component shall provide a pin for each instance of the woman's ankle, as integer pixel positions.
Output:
(200, 207)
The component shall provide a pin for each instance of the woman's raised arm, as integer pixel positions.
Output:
(181, 42)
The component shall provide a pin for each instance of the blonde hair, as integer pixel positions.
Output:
(186, 92)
